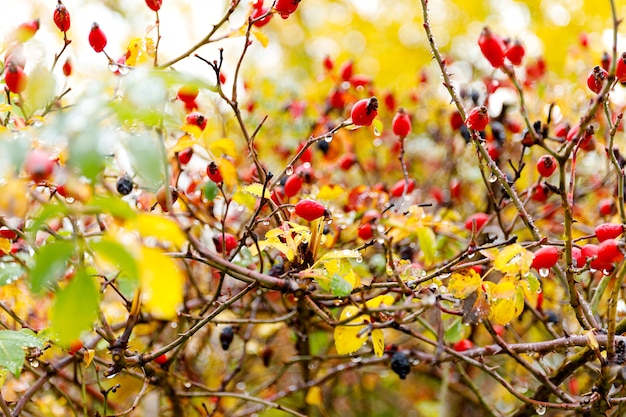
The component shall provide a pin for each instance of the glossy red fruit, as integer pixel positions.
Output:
(610, 251)
(161, 197)
(154, 4)
(477, 118)
(365, 231)
(67, 68)
(515, 52)
(161, 359)
(61, 17)
(346, 161)
(596, 78)
(546, 165)
(456, 121)
(346, 71)
(620, 69)
(213, 171)
(293, 185)
(401, 123)
(607, 207)
(590, 253)
(228, 242)
(310, 209)
(605, 61)
(7, 233)
(97, 38)
(39, 165)
(187, 93)
(492, 46)
(75, 346)
(27, 30)
(364, 111)
(185, 155)
(578, 259)
(286, 7)
(540, 193)
(397, 190)
(463, 345)
(15, 78)
(545, 258)
(328, 63)
(608, 231)
(196, 119)
(479, 218)
(561, 130)
(258, 12)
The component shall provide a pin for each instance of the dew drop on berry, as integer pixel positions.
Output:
(544, 272)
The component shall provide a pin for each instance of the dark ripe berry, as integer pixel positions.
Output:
(97, 38)
(15, 78)
(400, 364)
(124, 185)
(154, 4)
(196, 119)
(605, 61)
(266, 355)
(39, 165)
(397, 190)
(293, 185)
(310, 209)
(477, 118)
(620, 70)
(498, 132)
(364, 111)
(610, 251)
(545, 258)
(492, 47)
(162, 198)
(67, 68)
(515, 52)
(61, 17)
(227, 242)
(365, 231)
(226, 337)
(258, 12)
(187, 93)
(286, 7)
(185, 155)
(213, 171)
(161, 359)
(401, 123)
(27, 30)
(595, 79)
(463, 345)
(75, 346)
(346, 161)
(323, 146)
(479, 218)
(607, 207)
(346, 70)
(608, 231)
(546, 165)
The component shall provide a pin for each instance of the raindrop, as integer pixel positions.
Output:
(187, 385)
(493, 178)
(471, 255)
(593, 270)
(328, 138)
(266, 222)
(377, 142)
(291, 209)
(289, 170)
(359, 259)
(173, 325)
(69, 200)
(329, 221)
(540, 409)
(124, 70)
(341, 367)
(415, 362)
(443, 276)
(423, 273)
(114, 67)
(380, 240)
(606, 272)
(241, 386)
(35, 363)
(544, 272)
(356, 359)
(376, 132)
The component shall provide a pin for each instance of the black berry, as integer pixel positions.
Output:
(124, 185)
(226, 337)
(400, 364)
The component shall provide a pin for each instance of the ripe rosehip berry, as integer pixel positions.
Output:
(162, 199)
(39, 165)
(401, 123)
(310, 209)
(365, 231)
(226, 337)
(213, 171)
(515, 52)
(364, 111)
(67, 68)
(27, 30)
(154, 5)
(620, 70)
(187, 93)
(546, 165)
(390, 101)
(161, 359)
(463, 345)
(596, 78)
(479, 218)
(227, 242)
(397, 190)
(605, 61)
(7, 233)
(360, 80)
(185, 155)
(477, 118)
(196, 119)
(293, 185)
(578, 259)
(610, 251)
(97, 38)
(328, 63)
(75, 346)
(545, 258)
(540, 193)
(492, 46)
(561, 130)
(124, 185)
(61, 17)
(590, 253)
(608, 231)
(15, 78)
(257, 11)
(607, 207)
(346, 70)
(456, 121)
(286, 7)
(346, 161)
(400, 364)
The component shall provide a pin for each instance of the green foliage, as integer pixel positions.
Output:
(12, 348)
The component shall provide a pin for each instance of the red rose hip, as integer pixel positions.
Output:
(310, 209)
(546, 165)
(364, 111)
(97, 38)
(477, 118)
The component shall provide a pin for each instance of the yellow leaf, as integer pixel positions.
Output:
(347, 340)
(261, 37)
(228, 171)
(502, 311)
(340, 254)
(184, 142)
(462, 284)
(378, 341)
(14, 201)
(5, 107)
(513, 259)
(88, 357)
(504, 289)
(159, 227)
(314, 396)
(5, 245)
(593, 342)
(381, 299)
(223, 146)
(161, 283)
(244, 199)
(330, 192)
(256, 189)
(139, 51)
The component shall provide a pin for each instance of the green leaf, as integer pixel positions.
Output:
(10, 272)
(339, 287)
(427, 238)
(112, 205)
(145, 156)
(85, 154)
(75, 308)
(48, 212)
(456, 331)
(40, 88)
(50, 264)
(12, 345)
(110, 251)
(210, 190)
